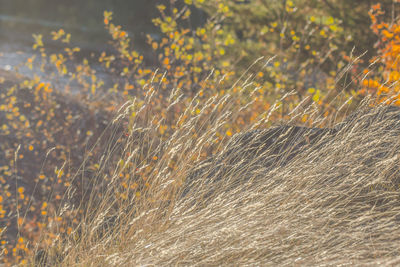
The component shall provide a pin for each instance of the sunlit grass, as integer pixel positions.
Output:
(334, 202)
(153, 166)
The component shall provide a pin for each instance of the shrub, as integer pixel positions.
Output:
(381, 81)
(89, 164)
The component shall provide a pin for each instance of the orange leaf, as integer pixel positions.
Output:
(376, 7)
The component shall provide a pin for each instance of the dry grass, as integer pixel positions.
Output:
(334, 200)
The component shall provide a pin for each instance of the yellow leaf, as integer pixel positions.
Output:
(161, 7)
(38, 41)
(316, 96)
(60, 173)
(93, 89)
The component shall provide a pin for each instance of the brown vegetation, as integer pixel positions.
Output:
(108, 161)
(331, 204)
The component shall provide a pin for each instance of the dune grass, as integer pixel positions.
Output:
(179, 165)
(332, 204)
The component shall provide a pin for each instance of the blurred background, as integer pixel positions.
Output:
(83, 19)
(19, 19)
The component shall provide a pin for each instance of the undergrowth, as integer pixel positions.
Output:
(92, 171)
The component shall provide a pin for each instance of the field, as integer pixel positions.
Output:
(265, 135)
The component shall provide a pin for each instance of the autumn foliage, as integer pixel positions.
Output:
(63, 144)
(382, 81)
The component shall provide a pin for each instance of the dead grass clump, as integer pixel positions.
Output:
(335, 201)
(335, 205)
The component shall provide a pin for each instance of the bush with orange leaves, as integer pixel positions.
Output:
(382, 79)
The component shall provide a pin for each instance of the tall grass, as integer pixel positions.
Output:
(334, 201)
(169, 183)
